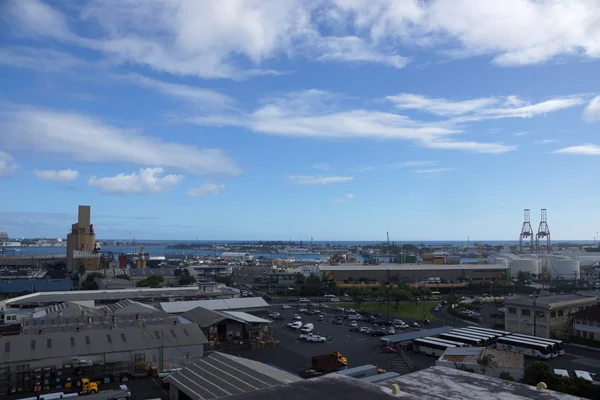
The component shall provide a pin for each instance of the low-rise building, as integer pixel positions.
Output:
(544, 316)
(586, 323)
(504, 361)
(252, 305)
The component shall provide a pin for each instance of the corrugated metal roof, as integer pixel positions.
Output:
(219, 376)
(203, 317)
(404, 337)
(80, 344)
(246, 317)
(75, 295)
(177, 307)
(128, 306)
(411, 267)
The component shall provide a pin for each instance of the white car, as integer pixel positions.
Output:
(302, 310)
(364, 329)
(350, 310)
(310, 337)
(296, 317)
(285, 307)
(356, 317)
(295, 325)
(403, 326)
(354, 324)
(304, 300)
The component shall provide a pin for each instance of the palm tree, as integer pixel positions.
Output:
(487, 361)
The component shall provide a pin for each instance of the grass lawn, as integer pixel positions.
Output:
(405, 309)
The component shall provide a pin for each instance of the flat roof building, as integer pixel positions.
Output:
(545, 315)
(415, 273)
(586, 324)
(247, 304)
(505, 361)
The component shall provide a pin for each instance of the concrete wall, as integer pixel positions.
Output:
(516, 373)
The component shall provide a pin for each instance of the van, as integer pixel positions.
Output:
(308, 328)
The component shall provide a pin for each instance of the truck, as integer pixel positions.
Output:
(311, 337)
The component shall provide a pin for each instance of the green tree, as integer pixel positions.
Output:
(463, 367)
(358, 295)
(225, 279)
(187, 280)
(151, 281)
(487, 361)
(506, 376)
(123, 276)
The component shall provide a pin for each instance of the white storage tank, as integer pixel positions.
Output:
(526, 265)
(565, 268)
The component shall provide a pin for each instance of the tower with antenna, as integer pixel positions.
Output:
(543, 232)
(388, 238)
(526, 232)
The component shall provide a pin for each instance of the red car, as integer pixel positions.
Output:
(389, 349)
(354, 329)
(321, 318)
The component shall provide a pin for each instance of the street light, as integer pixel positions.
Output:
(534, 315)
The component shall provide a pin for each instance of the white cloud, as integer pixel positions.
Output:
(321, 166)
(212, 39)
(483, 108)
(592, 111)
(408, 164)
(585, 150)
(365, 169)
(433, 171)
(191, 94)
(7, 166)
(350, 196)
(89, 140)
(545, 141)
(38, 59)
(60, 175)
(206, 188)
(319, 180)
(439, 106)
(470, 146)
(147, 181)
(520, 133)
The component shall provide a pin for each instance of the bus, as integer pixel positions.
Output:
(584, 375)
(446, 341)
(558, 344)
(562, 372)
(494, 331)
(470, 341)
(527, 347)
(486, 337)
(428, 345)
(494, 336)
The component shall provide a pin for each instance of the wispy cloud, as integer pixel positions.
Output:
(592, 111)
(433, 171)
(61, 175)
(146, 181)
(584, 150)
(206, 188)
(365, 169)
(319, 180)
(321, 166)
(347, 197)
(87, 139)
(471, 146)
(520, 133)
(545, 141)
(7, 166)
(408, 164)
(39, 59)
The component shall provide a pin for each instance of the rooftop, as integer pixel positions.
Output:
(24, 348)
(470, 355)
(106, 295)
(591, 313)
(404, 337)
(177, 307)
(550, 301)
(221, 375)
(442, 383)
(411, 267)
(507, 358)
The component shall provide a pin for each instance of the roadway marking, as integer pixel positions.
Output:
(587, 361)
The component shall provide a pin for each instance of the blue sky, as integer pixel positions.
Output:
(340, 120)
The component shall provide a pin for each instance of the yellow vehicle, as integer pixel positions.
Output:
(341, 359)
(88, 387)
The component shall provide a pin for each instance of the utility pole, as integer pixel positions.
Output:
(534, 316)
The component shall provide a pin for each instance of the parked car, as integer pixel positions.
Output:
(296, 317)
(295, 325)
(321, 318)
(364, 329)
(338, 321)
(293, 299)
(285, 307)
(353, 324)
(391, 330)
(354, 329)
(389, 349)
(304, 300)
(379, 333)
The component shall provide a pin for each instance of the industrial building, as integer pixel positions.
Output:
(511, 362)
(236, 256)
(67, 341)
(415, 273)
(81, 243)
(549, 266)
(545, 316)
(252, 305)
(586, 323)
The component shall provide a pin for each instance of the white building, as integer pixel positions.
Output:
(586, 323)
(510, 362)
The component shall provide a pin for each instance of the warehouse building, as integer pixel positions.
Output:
(71, 341)
(253, 305)
(545, 316)
(415, 273)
